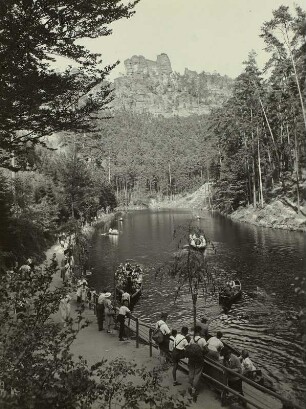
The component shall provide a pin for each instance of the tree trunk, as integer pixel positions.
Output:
(296, 148)
(259, 170)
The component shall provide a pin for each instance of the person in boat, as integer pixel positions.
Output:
(126, 297)
(227, 290)
(203, 241)
(137, 269)
(215, 346)
(248, 368)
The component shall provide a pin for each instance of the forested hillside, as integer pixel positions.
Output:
(260, 130)
(252, 147)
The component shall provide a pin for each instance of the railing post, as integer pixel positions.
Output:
(150, 341)
(137, 333)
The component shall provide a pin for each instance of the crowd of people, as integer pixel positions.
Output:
(195, 347)
(173, 345)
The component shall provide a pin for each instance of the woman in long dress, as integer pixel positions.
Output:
(65, 309)
(109, 312)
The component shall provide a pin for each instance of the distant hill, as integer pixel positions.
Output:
(152, 86)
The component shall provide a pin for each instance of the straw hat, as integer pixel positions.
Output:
(107, 295)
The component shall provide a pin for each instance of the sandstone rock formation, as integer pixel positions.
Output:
(152, 86)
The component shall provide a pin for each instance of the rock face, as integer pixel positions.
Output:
(140, 65)
(152, 86)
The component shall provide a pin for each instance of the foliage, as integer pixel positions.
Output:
(38, 369)
(148, 156)
(124, 385)
(189, 267)
(260, 130)
(37, 100)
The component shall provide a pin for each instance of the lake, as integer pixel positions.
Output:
(266, 261)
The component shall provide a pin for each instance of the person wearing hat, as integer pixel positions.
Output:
(163, 346)
(100, 310)
(108, 311)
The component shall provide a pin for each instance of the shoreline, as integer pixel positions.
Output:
(274, 215)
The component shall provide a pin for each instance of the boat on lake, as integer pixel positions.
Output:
(197, 242)
(113, 232)
(129, 280)
(231, 293)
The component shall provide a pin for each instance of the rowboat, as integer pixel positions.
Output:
(129, 279)
(231, 293)
(196, 242)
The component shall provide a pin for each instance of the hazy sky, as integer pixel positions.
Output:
(203, 35)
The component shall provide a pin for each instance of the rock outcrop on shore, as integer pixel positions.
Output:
(275, 214)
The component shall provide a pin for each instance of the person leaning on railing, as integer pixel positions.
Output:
(232, 362)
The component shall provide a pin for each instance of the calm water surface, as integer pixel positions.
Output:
(259, 257)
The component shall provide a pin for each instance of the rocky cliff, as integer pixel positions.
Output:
(152, 86)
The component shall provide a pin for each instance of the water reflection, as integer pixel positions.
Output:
(259, 257)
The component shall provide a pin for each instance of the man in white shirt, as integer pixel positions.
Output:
(214, 346)
(163, 346)
(178, 353)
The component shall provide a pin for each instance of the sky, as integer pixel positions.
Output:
(202, 35)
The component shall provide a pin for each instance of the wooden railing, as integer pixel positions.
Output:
(255, 395)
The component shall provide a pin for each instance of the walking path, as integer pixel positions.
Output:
(94, 345)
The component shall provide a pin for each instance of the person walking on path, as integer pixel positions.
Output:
(123, 312)
(172, 339)
(100, 310)
(164, 345)
(178, 353)
(108, 312)
(195, 353)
